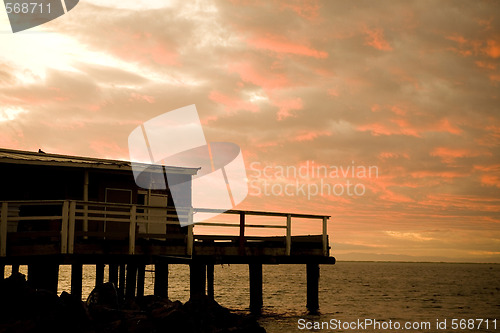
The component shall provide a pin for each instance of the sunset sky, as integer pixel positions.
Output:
(410, 87)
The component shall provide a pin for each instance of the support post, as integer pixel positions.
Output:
(288, 234)
(76, 279)
(131, 239)
(71, 226)
(2, 271)
(121, 282)
(255, 271)
(190, 234)
(197, 280)
(3, 229)
(210, 281)
(131, 280)
(242, 234)
(86, 199)
(15, 268)
(99, 275)
(141, 275)
(325, 236)
(64, 227)
(312, 287)
(161, 280)
(44, 275)
(113, 274)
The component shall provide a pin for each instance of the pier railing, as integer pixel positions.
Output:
(66, 222)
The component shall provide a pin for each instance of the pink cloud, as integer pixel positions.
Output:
(375, 38)
(267, 80)
(282, 45)
(287, 106)
(232, 104)
(140, 97)
(307, 9)
(448, 155)
(309, 136)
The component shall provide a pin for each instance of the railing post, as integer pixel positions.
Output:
(71, 226)
(3, 229)
(325, 236)
(288, 234)
(64, 227)
(131, 233)
(242, 234)
(190, 233)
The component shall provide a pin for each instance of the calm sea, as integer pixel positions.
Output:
(386, 293)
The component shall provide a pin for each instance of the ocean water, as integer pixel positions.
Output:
(415, 294)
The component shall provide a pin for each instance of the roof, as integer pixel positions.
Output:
(10, 156)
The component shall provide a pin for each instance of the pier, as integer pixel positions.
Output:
(70, 210)
(78, 233)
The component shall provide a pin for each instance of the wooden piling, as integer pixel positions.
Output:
(312, 287)
(99, 274)
(131, 280)
(210, 281)
(44, 275)
(197, 280)
(2, 270)
(255, 279)
(113, 274)
(121, 282)
(15, 268)
(141, 275)
(161, 280)
(76, 280)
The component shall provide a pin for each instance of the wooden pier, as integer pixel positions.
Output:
(44, 234)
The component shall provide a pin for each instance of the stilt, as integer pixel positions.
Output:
(113, 274)
(161, 280)
(210, 281)
(197, 280)
(255, 287)
(121, 282)
(44, 275)
(141, 274)
(131, 280)
(2, 271)
(312, 287)
(99, 274)
(15, 269)
(76, 280)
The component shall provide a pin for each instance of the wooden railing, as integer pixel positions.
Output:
(70, 221)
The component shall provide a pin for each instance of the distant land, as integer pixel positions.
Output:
(357, 256)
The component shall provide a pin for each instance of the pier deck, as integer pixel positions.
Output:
(44, 234)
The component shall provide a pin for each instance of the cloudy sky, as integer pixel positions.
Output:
(408, 87)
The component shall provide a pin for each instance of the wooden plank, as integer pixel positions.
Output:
(131, 235)
(71, 227)
(255, 280)
(242, 233)
(161, 280)
(325, 237)
(288, 235)
(3, 229)
(312, 287)
(253, 212)
(64, 227)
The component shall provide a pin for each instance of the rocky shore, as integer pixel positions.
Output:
(24, 309)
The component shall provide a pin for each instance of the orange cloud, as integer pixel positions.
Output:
(448, 155)
(286, 107)
(492, 48)
(309, 136)
(232, 104)
(268, 81)
(280, 44)
(375, 38)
